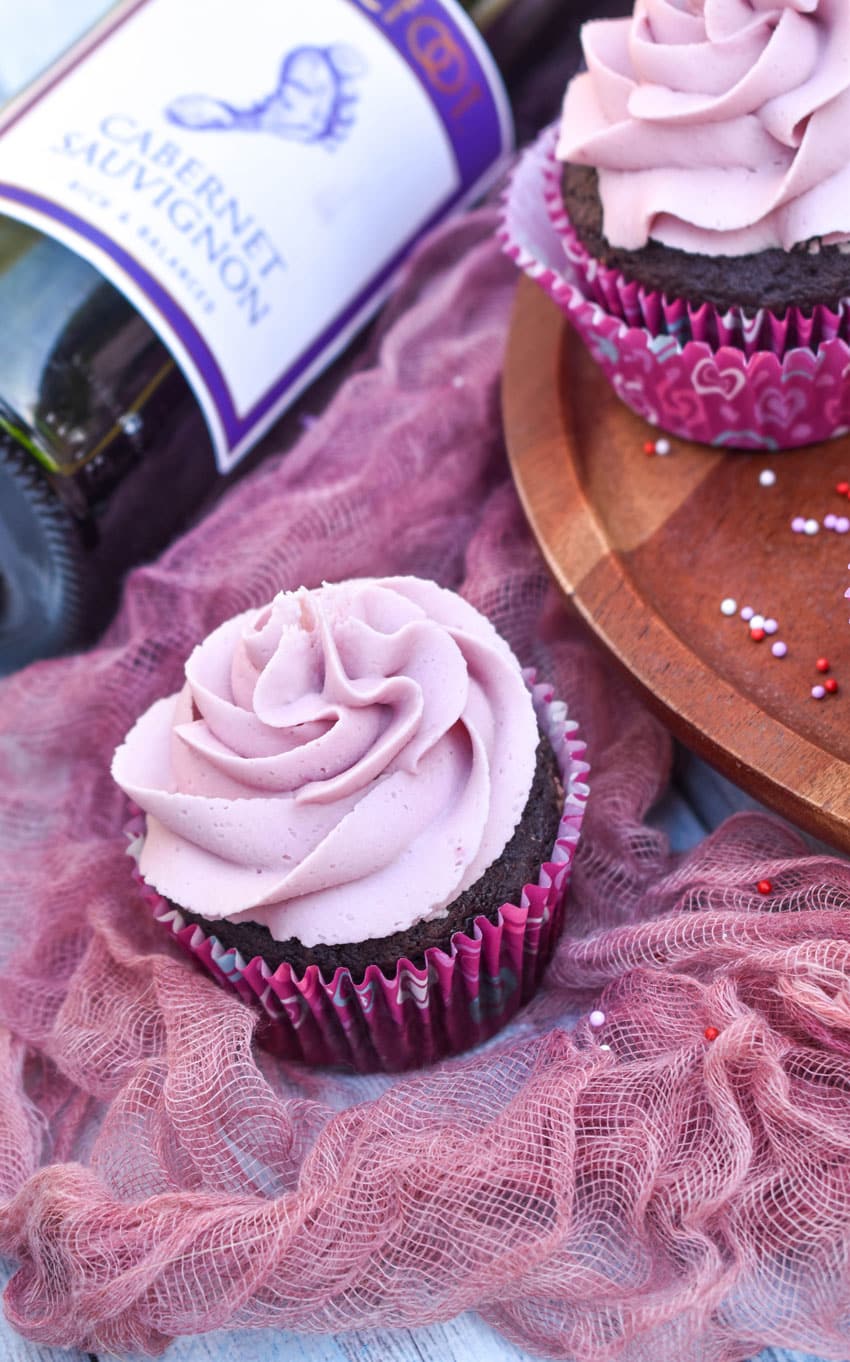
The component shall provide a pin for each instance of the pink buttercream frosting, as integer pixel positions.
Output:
(721, 127)
(339, 764)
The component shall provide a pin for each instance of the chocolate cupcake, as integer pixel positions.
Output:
(812, 274)
(354, 794)
(707, 150)
(691, 216)
(502, 882)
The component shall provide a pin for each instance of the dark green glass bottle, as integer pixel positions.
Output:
(93, 412)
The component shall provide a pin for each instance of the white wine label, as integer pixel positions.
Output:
(251, 174)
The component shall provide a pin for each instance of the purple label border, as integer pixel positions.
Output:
(475, 133)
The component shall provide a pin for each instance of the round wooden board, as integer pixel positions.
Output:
(647, 547)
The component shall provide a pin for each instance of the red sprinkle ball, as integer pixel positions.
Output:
(843, 488)
(649, 447)
(764, 887)
(831, 685)
(822, 664)
(757, 635)
(711, 1033)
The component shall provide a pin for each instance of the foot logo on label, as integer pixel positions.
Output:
(314, 102)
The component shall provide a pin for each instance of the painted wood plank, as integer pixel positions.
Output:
(678, 819)
(784, 1355)
(465, 1339)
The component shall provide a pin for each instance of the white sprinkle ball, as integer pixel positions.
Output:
(757, 622)
(729, 606)
(767, 477)
(662, 447)
(770, 626)
(811, 526)
(779, 649)
(818, 692)
(747, 612)
(798, 524)
(605, 1047)
(597, 1018)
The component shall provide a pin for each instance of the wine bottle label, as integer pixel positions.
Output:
(251, 174)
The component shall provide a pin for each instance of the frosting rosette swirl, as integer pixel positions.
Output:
(720, 127)
(338, 765)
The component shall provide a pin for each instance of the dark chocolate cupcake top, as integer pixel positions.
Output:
(339, 765)
(718, 127)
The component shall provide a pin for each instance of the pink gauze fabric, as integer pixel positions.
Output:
(666, 1198)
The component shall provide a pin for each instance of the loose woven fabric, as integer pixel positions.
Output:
(665, 1198)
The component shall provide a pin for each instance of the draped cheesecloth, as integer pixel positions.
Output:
(667, 1198)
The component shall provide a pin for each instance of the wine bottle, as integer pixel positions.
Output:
(195, 220)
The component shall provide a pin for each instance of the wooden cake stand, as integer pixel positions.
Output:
(647, 548)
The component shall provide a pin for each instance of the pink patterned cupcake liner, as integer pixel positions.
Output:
(457, 999)
(701, 388)
(663, 316)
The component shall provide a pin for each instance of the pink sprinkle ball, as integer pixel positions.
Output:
(798, 524)
(830, 521)
(770, 626)
(597, 1018)
(842, 524)
(747, 612)
(818, 692)
(779, 649)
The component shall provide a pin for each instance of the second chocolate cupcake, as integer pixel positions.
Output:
(691, 216)
(707, 150)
